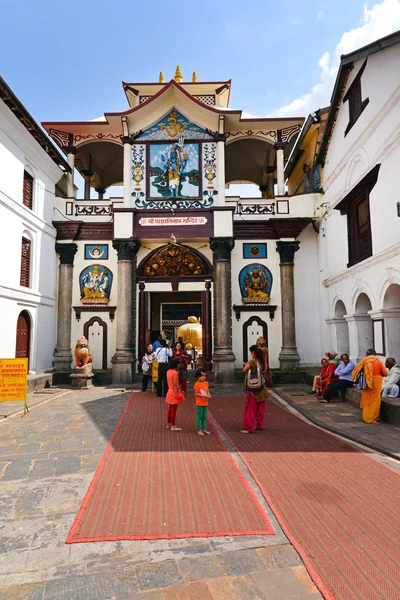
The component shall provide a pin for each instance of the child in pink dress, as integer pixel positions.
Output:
(174, 395)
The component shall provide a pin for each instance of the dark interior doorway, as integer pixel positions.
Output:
(23, 342)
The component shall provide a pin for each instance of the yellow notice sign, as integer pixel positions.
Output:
(13, 379)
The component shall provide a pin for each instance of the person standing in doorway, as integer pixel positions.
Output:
(163, 354)
(254, 411)
(147, 363)
(202, 396)
(174, 395)
(184, 360)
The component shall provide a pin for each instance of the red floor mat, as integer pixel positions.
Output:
(154, 483)
(339, 507)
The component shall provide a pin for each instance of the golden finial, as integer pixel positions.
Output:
(178, 74)
(172, 239)
(161, 77)
(194, 77)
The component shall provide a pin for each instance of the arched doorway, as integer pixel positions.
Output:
(342, 328)
(95, 331)
(364, 325)
(162, 310)
(391, 315)
(23, 340)
(253, 328)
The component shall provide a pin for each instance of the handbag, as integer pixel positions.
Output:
(269, 382)
(254, 382)
(361, 382)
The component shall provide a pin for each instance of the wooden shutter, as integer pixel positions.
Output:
(25, 279)
(28, 190)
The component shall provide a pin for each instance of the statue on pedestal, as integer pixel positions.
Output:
(81, 353)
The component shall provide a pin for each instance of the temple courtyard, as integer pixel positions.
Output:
(281, 514)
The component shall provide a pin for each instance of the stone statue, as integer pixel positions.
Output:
(81, 353)
(191, 333)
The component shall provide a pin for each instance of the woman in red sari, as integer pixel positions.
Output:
(326, 377)
(184, 359)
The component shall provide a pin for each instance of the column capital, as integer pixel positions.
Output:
(126, 139)
(222, 247)
(126, 248)
(220, 137)
(270, 170)
(66, 252)
(71, 150)
(280, 145)
(286, 251)
(100, 190)
(87, 173)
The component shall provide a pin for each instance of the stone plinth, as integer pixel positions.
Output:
(82, 377)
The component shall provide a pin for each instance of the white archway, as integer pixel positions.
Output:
(342, 328)
(363, 323)
(391, 316)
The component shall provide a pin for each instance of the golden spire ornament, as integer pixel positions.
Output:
(194, 77)
(178, 74)
(161, 77)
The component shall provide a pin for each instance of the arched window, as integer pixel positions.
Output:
(26, 253)
(27, 197)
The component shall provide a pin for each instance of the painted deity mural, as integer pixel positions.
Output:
(174, 165)
(255, 282)
(95, 284)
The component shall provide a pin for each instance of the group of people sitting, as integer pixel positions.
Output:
(378, 380)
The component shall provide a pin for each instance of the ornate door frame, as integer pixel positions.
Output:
(249, 321)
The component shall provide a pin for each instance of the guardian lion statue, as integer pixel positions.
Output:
(81, 353)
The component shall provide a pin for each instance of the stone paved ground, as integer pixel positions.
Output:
(47, 460)
(343, 418)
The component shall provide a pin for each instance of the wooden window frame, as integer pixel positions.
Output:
(28, 188)
(354, 98)
(26, 262)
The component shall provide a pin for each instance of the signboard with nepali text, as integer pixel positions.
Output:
(13, 380)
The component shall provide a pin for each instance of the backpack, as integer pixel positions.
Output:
(361, 382)
(254, 382)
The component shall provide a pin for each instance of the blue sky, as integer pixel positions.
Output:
(66, 60)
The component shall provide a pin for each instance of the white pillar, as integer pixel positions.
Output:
(221, 170)
(280, 167)
(71, 151)
(127, 141)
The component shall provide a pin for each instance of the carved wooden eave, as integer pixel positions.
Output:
(271, 229)
(255, 307)
(80, 230)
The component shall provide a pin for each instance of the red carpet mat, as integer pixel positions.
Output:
(154, 483)
(339, 507)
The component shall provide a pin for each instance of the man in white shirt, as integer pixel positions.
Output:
(391, 381)
(163, 354)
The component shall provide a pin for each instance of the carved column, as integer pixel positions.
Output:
(127, 142)
(63, 353)
(143, 319)
(223, 356)
(270, 170)
(87, 174)
(71, 151)
(207, 326)
(280, 167)
(288, 357)
(100, 191)
(221, 139)
(126, 319)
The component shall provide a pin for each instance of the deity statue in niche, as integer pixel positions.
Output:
(191, 334)
(95, 284)
(255, 283)
(175, 163)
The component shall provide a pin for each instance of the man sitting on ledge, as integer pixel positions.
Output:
(391, 388)
(343, 371)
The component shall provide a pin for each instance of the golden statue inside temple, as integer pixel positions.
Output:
(192, 334)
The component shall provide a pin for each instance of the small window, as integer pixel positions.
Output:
(25, 279)
(28, 190)
(354, 98)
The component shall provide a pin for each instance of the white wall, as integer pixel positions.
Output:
(19, 151)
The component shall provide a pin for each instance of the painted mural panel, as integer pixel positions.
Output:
(255, 283)
(174, 170)
(95, 284)
(173, 125)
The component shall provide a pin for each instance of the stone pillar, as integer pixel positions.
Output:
(223, 356)
(125, 352)
(87, 174)
(207, 326)
(280, 167)
(63, 353)
(288, 357)
(143, 320)
(71, 151)
(127, 142)
(270, 170)
(100, 191)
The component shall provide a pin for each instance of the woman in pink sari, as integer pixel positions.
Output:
(254, 411)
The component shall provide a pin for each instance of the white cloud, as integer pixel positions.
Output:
(321, 16)
(381, 19)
